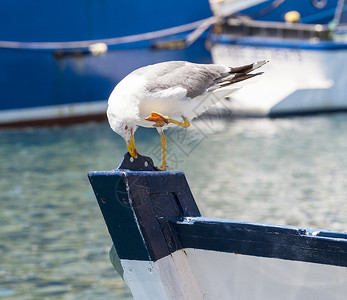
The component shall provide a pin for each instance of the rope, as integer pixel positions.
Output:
(268, 9)
(192, 37)
(109, 42)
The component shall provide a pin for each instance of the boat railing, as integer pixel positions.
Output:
(245, 27)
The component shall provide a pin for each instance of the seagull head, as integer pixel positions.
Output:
(127, 132)
(126, 129)
(129, 139)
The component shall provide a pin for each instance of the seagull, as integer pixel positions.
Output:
(170, 94)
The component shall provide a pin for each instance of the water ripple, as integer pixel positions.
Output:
(54, 243)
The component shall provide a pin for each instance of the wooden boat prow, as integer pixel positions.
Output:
(165, 249)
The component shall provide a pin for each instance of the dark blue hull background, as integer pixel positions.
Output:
(38, 78)
(33, 78)
(76, 20)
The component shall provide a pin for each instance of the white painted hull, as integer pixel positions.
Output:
(211, 275)
(294, 81)
(167, 278)
(226, 8)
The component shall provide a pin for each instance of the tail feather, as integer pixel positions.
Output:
(241, 73)
(238, 77)
(248, 68)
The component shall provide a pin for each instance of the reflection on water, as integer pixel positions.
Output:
(53, 240)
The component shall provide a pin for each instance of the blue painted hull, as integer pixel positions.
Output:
(78, 20)
(36, 74)
(38, 78)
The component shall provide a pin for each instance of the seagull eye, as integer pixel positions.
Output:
(126, 127)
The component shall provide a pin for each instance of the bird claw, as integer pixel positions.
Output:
(161, 120)
(158, 119)
(162, 167)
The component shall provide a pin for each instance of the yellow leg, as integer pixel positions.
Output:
(160, 120)
(163, 151)
(184, 124)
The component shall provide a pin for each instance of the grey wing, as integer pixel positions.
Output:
(196, 79)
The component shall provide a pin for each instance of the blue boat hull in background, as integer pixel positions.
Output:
(49, 70)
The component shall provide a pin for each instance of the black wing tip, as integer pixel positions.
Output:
(248, 68)
(239, 77)
(260, 63)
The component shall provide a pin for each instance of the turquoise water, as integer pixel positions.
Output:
(54, 243)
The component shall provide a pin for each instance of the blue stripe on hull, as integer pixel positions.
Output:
(264, 240)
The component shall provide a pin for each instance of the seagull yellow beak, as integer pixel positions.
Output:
(131, 146)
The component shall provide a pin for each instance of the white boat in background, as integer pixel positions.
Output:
(307, 72)
(224, 8)
(164, 249)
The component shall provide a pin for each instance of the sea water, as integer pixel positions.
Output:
(53, 240)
